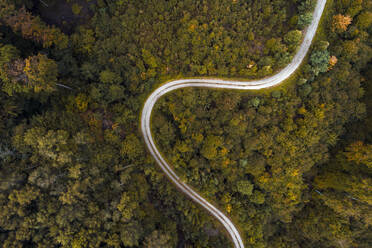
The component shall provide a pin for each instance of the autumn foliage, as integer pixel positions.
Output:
(35, 73)
(41, 72)
(290, 165)
(33, 28)
(340, 23)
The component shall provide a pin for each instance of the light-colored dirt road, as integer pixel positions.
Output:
(226, 84)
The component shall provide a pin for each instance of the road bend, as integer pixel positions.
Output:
(217, 83)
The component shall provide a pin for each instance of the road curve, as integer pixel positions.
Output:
(226, 84)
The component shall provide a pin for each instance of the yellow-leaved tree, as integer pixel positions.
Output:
(41, 73)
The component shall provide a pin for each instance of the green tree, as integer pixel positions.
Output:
(211, 147)
(306, 5)
(130, 146)
(350, 49)
(364, 20)
(359, 153)
(8, 53)
(49, 144)
(293, 38)
(345, 180)
(244, 187)
(158, 239)
(304, 20)
(108, 76)
(319, 61)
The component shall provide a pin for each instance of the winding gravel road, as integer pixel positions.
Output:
(226, 84)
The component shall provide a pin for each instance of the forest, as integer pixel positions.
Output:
(291, 165)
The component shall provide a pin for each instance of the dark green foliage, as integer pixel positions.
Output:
(305, 19)
(364, 20)
(293, 38)
(74, 171)
(306, 5)
(305, 90)
(267, 143)
(244, 187)
(319, 61)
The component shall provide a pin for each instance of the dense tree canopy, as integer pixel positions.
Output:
(290, 165)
